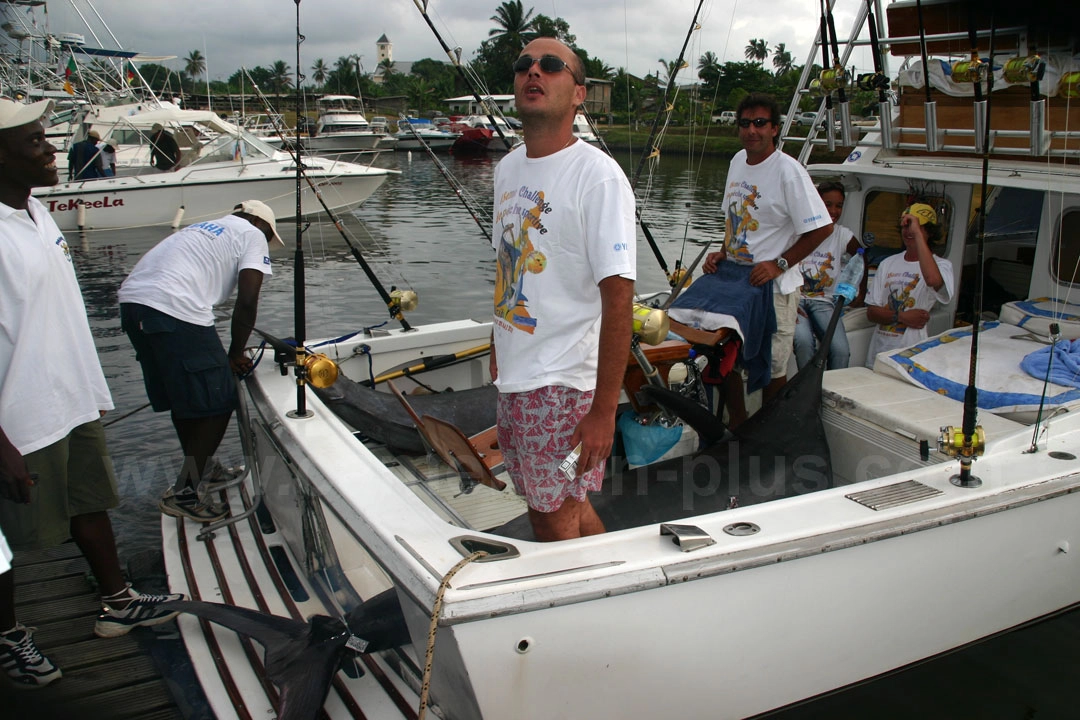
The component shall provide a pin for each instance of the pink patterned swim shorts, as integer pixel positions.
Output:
(535, 429)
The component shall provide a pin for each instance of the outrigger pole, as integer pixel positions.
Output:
(455, 60)
(650, 151)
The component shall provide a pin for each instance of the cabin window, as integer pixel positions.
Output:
(881, 223)
(1066, 264)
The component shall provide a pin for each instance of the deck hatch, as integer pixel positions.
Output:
(891, 496)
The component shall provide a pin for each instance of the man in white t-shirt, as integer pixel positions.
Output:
(907, 285)
(56, 476)
(565, 238)
(775, 218)
(167, 310)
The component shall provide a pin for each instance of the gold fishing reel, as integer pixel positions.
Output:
(951, 442)
(402, 301)
(315, 369)
(1019, 70)
(832, 79)
(651, 325)
(675, 278)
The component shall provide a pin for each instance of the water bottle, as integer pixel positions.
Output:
(847, 285)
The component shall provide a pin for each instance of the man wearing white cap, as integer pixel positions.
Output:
(56, 478)
(84, 158)
(167, 310)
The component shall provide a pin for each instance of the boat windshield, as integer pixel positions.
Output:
(245, 147)
(340, 104)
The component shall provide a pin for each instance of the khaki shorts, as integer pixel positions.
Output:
(787, 313)
(75, 477)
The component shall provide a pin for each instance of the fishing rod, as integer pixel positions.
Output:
(456, 186)
(455, 60)
(823, 31)
(396, 301)
(299, 285)
(970, 441)
(649, 151)
(841, 82)
(929, 106)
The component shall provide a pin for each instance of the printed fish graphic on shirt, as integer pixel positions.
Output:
(901, 301)
(740, 222)
(516, 258)
(816, 283)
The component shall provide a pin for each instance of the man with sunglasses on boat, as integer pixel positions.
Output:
(564, 235)
(56, 477)
(775, 218)
(167, 310)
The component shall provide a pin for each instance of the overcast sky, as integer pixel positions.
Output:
(632, 33)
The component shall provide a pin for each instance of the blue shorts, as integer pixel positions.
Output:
(185, 367)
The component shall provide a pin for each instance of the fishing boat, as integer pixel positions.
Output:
(221, 165)
(478, 134)
(583, 130)
(415, 133)
(341, 126)
(916, 533)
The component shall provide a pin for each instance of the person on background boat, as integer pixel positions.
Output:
(564, 218)
(906, 285)
(167, 310)
(84, 158)
(819, 270)
(108, 157)
(56, 477)
(775, 218)
(164, 152)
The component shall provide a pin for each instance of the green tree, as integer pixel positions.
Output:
(440, 76)
(709, 69)
(757, 50)
(195, 64)
(781, 59)
(319, 71)
(597, 68)
(280, 78)
(543, 26)
(514, 24)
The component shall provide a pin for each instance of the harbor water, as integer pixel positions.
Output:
(417, 234)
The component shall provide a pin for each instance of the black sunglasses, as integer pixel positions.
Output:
(548, 63)
(756, 122)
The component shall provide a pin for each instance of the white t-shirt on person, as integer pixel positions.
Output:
(898, 286)
(191, 271)
(767, 207)
(822, 266)
(50, 378)
(563, 223)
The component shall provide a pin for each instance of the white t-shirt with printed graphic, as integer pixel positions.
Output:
(898, 286)
(188, 273)
(767, 207)
(822, 266)
(563, 223)
(50, 378)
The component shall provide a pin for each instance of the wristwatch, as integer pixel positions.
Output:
(781, 263)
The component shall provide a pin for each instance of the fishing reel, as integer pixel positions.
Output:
(650, 325)
(315, 369)
(970, 71)
(872, 82)
(402, 301)
(1020, 70)
(951, 442)
(679, 277)
(829, 81)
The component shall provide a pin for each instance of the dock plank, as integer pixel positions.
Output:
(103, 678)
(57, 552)
(92, 652)
(62, 609)
(63, 567)
(53, 589)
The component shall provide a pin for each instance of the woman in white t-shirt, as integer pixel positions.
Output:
(907, 285)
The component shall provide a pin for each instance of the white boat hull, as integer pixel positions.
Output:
(342, 142)
(156, 199)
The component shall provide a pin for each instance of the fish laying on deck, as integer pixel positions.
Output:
(302, 657)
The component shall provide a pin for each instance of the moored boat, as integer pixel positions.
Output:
(415, 133)
(341, 126)
(896, 560)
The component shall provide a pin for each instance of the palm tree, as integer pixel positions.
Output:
(195, 64)
(280, 77)
(781, 59)
(708, 64)
(757, 50)
(387, 66)
(514, 24)
(319, 71)
(344, 72)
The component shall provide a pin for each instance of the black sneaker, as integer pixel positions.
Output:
(188, 504)
(24, 664)
(140, 611)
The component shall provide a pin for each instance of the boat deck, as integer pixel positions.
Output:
(103, 678)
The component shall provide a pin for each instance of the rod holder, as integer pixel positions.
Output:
(933, 134)
(830, 126)
(888, 139)
(845, 125)
(1040, 138)
(980, 110)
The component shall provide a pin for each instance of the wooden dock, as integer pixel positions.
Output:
(103, 678)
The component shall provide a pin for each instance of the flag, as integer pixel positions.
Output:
(70, 70)
(130, 73)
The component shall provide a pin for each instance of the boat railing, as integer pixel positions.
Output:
(1029, 124)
